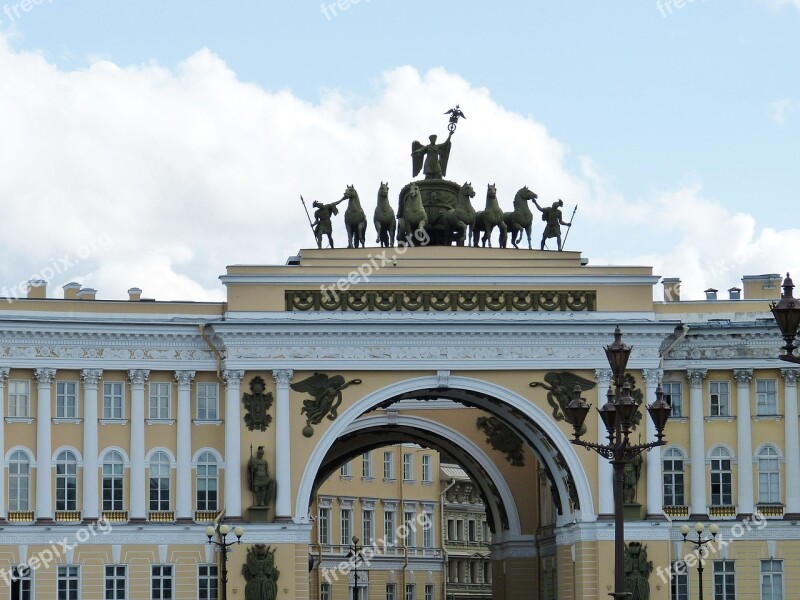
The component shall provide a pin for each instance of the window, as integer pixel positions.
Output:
(771, 580)
(429, 591)
(451, 530)
(487, 537)
(324, 525)
(21, 583)
(159, 481)
(66, 481)
(19, 395)
(679, 584)
(368, 525)
(769, 476)
(391, 591)
(207, 481)
(389, 527)
(159, 400)
(207, 582)
(427, 475)
(408, 466)
(112, 481)
(366, 465)
(472, 531)
(724, 581)
(346, 526)
(388, 465)
(207, 402)
(673, 476)
(66, 400)
(115, 576)
(721, 482)
(673, 395)
(346, 471)
(410, 591)
(161, 582)
(113, 397)
(19, 481)
(766, 397)
(325, 592)
(68, 582)
(427, 530)
(720, 405)
(460, 530)
(487, 571)
(409, 518)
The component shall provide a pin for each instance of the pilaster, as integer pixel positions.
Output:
(138, 514)
(744, 441)
(91, 381)
(655, 498)
(792, 443)
(3, 377)
(283, 460)
(697, 444)
(183, 497)
(605, 473)
(44, 491)
(233, 466)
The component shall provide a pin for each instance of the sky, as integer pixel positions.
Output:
(150, 144)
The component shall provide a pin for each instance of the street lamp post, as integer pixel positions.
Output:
(356, 554)
(224, 546)
(618, 415)
(699, 546)
(787, 314)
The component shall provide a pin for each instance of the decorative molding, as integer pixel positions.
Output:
(444, 300)
(91, 377)
(603, 377)
(653, 377)
(184, 378)
(790, 376)
(282, 377)
(3, 374)
(44, 376)
(232, 377)
(138, 376)
(444, 378)
(696, 376)
(503, 439)
(743, 376)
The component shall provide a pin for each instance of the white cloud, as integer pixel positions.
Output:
(780, 109)
(184, 172)
(777, 5)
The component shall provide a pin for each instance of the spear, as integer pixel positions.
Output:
(309, 223)
(570, 227)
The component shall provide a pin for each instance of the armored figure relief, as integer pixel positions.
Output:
(260, 573)
(637, 571)
(326, 396)
(631, 474)
(257, 403)
(261, 484)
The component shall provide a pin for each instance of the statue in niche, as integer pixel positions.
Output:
(257, 403)
(632, 471)
(261, 574)
(559, 386)
(637, 571)
(326, 396)
(261, 484)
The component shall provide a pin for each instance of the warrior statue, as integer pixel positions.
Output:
(322, 220)
(431, 159)
(260, 573)
(261, 484)
(554, 219)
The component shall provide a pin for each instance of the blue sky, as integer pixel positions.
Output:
(643, 101)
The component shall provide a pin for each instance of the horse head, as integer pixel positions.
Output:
(467, 191)
(527, 194)
(383, 192)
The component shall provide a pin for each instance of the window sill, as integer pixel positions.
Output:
(408, 481)
(767, 417)
(427, 483)
(389, 480)
(678, 420)
(346, 477)
(27, 420)
(728, 418)
(368, 479)
(160, 421)
(113, 421)
(215, 422)
(72, 421)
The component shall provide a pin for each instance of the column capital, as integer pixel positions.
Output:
(696, 376)
(232, 377)
(282, 376)
(4, 374)
(653, 377)
(44, 376)
(138, 376)
(91, 377)
(603, 377)
(743, 376)
(790, 376)
(184, 378)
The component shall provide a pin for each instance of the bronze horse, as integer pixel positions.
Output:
(384, 219)
(521, 219)
(489, 218)
(354, 219)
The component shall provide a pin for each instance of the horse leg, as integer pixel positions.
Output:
(528, 231)
(392, 227)
(378, 228)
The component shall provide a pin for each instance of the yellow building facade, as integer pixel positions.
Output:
(124, 431)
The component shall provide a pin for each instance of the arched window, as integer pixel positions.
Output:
(66, 481)
(769, 476)
(207, 481)
(113, 482)
(19, 481)
(674, 488)
(721, 477)
(159, 481)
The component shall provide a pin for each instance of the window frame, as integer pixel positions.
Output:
(366, 465)
(14, 399)
(770, 575)
(111, 411)
(427, 468)
(345, 525)
(408, 466)
(66, 401)
(160, 404)
(672, 478)
(668, 388)
(324, 525)
(159, 485)
(116, 481)
(368, 525)
(723, 399)
(206, 463)
(114, 579)
(679, 581)
(772, 476)
(162, 577)
(723, 477)
(770, 408)
(209, 412)
(211, 591)
(66, 501)
(388, 465)
(68, 576)
(21, 578)
(21, 500)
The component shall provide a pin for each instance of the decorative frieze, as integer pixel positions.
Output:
(445, 300)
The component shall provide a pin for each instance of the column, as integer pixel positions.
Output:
(792, 443)
(44, 451)
(283, 447)
(605, 473)
(233, 461)
(91, 381)
(138, 490)
(655, 497)
(744, 442)
(3, 376)
(183, 501)
(697, 443)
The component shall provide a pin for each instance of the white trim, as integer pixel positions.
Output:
(71, 449)
(581, 281)
(731, 453)
(170, 455)
(27, 451)
(665, 449)
(764, 445)
(102, 456)
(214, 452)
